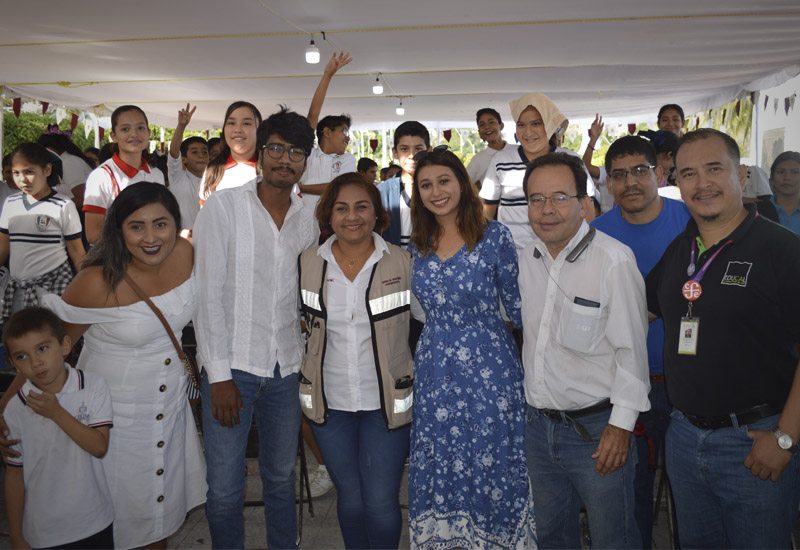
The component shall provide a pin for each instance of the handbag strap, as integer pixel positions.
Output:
(158, 313)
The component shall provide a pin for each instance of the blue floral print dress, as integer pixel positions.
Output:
(468, 480)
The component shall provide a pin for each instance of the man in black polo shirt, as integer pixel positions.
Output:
(728, 289)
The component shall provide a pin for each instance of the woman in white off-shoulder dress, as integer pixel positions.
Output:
(154, 465)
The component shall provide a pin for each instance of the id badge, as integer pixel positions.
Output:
(687, 338)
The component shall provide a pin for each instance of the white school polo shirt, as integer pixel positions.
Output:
(66, 495)
(236, 174)
(185, 186)
(322, 168)
(110, 178)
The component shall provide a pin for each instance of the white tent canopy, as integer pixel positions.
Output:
(446, 58)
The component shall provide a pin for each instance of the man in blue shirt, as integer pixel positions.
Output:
(647, 223)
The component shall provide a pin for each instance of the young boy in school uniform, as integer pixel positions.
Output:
(56, 491)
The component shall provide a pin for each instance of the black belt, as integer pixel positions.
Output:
(742, 418)
(572, 415)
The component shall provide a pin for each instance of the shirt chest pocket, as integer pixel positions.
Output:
(581, 327)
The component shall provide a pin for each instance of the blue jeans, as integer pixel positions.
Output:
(562, 474)
(655, 421)
(719, 502)
(276, 406)
(366, 464)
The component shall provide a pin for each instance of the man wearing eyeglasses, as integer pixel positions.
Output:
(585, 360)
(647, 223)
(247, 241)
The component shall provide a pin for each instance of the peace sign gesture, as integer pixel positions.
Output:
(185, 115)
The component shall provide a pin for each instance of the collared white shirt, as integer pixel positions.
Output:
(480, 162)
(322, 168)
(575, 355)
(248, 315)
(236, 174)
(185, 186)
(351, 381)
(110, 178)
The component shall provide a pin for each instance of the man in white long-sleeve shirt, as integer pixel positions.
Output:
(585, 360)
(247, 241)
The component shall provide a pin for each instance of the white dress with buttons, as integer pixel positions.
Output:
(154, 465)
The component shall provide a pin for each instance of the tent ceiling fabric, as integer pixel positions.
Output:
(622, 58)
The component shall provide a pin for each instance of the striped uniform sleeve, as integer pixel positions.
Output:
(490, 186)
(71, 226)
(101, 414)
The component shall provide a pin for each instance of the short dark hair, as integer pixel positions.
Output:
(365, 164)
(384, 170)
(487, 111)
(575, 164)
(331, 193)
(631, 145)
(331, 121)
(188, 141)
(110, 252)
(30, 319)
(673, 107)
(783, 157)
(412, 128)
(291, 126)
(662, 141)
(706, 133)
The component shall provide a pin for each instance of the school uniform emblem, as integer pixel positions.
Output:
(737, 273)
(42, 222)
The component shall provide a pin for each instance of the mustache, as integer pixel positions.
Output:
(292, 170)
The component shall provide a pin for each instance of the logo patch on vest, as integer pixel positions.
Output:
(737, 273)
(42, 222)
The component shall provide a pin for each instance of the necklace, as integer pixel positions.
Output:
(352, 263)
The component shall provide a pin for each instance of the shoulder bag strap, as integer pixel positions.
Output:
(158, 313)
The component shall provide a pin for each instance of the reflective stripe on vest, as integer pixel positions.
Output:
(390, 302)
(310, 299)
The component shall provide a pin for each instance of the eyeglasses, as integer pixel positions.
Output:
(639, 172)
(345, 130)
(557, 200)
(276, 150)
(438, 149)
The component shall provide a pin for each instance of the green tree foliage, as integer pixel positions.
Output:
(29, 126)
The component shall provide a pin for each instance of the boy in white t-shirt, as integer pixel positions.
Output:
(56, 491)
(186, 163)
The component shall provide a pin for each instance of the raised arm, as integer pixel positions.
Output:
(336, 62)
(594, 134)
(184, 118)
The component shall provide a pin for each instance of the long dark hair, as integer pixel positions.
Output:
(216, 166)
(470, 220)
(36, 155)
(62, 144)
(110, 251)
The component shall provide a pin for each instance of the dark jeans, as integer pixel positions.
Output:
(366, 464)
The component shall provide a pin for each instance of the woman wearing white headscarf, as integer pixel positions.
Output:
(540, 127)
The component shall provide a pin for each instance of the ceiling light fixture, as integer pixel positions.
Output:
(377, 88)
(400, 111)
(312, 53)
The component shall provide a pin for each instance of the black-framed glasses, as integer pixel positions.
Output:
(276, 150)
(639, 172)
(557, 200)
(438, 149)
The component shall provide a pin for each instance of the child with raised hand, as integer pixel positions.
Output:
(186, 162)
(235, 164)
(56, 491)
(39, 229)
(131, 134)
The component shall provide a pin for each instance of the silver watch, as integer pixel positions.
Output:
(784, 441)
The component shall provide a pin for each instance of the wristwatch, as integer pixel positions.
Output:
(785, 441)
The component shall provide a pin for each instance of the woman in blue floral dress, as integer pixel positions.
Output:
(468, 481)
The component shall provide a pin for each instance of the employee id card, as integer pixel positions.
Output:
(687, 338)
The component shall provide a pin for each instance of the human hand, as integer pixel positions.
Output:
(44, 404)
(612, 451)
(6, 444)
(185, 115)
(19, 543)
(336, 62)
(766, 459)
(597, 128)
(226, 402)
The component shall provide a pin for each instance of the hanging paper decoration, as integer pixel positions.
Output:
(738, 105)
(373, 144)
(786, 104)
(724, 112)
(61, 114)
(45, 105)
(632, 128)
(17, 106)
(87, 125)
(791, 101)
(73, 122)
(101, 132)
(696, 123)
(207, 135)
(766, 99)
(447, 134)
(775, 105)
